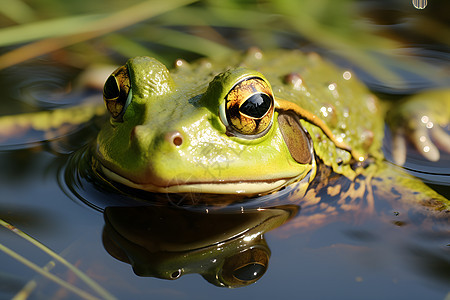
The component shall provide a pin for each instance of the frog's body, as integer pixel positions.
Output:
(251, 125)
(140, 149)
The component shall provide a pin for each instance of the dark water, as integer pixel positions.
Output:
(379, 256)
(382, 255)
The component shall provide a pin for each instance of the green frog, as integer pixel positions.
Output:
(251, 125)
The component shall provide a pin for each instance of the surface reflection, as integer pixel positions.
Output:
(227, 249)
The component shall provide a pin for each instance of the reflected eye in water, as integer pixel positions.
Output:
(249, 272)
(176, 274)
(245, 267)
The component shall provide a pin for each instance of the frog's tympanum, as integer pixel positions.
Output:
(227, 249)
(252, 125)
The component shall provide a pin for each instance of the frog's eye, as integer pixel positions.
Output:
(245, 267)
(116, 92)
(249, 107)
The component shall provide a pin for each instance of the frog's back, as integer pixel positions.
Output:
(335, 96)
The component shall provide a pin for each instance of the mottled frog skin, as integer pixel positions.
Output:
(193, 129)
(251, 124)
(187, 106)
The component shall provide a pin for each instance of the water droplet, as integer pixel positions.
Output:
(179, 62)
(347, 75)
(323, 109)
(254, 53)
(345, 112)
(332, 86)
(294, 79)
(371, 103)
(204, 63)
(420, 4)
(333, 89)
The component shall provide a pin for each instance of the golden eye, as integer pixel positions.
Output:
(116, 92)
(249, 107)
(245, 267)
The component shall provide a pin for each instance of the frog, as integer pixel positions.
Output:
(252, 124)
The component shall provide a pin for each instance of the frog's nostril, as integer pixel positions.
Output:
(175, 137)
(177, 141)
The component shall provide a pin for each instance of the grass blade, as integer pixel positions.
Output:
(107, 24)
(55, 256)
(45, 273)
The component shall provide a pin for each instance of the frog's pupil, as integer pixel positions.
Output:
(175, 274)
(256, 106)
(111, 90)
(249, 272)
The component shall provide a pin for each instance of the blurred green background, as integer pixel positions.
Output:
(378, 37)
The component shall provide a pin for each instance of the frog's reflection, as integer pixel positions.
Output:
(227, 249)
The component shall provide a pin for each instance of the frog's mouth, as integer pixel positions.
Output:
(242, 187)
(296, 139)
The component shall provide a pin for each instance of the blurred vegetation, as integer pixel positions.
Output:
(78, 33)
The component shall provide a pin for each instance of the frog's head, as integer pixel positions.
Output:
(192, 132)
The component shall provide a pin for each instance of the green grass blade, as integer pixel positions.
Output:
(45, 29)
(17, 10)
(97, 288)
(26, 291)
(107, 24)
(45, 273)
(185, 41)
(128, 47)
